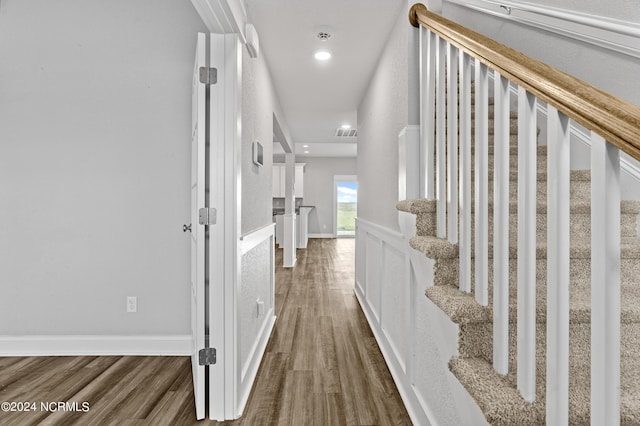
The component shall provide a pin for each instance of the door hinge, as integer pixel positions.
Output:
(208, 75)
(207, 216)
(207, 356)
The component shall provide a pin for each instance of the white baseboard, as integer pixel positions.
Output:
(322, 236)
(170, 345)
(257, 353)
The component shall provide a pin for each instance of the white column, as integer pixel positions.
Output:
(501, 147)
(441, 150)
(465, 173)
(289, 257)
(605, 282)
(558, 237)
(527, 177)
(482, 184)
(452, 143)
(427, 111)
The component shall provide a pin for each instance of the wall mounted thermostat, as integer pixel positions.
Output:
(258, 154)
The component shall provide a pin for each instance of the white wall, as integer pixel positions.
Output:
(258, 103)
(382, 113)
(318, 189)
(609, 70)
(625, 10)
(614, 72)
(95, 110)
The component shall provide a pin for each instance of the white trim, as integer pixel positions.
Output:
(257, 352)
(251, 239)
(394, 238)
(614, 34)
(322, 236)
(87, 345)
(418, 410)
(223, 16)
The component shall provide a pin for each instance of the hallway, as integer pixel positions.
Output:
(322, 365)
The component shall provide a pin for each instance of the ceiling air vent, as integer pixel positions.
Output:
(346, 133)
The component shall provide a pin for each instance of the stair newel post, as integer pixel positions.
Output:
(501, 151)
(605, 282)
(481, 139)
(527, 177)
(465, 172)
(558, 258)
(452, 143)
(427, 111)
(441, 147)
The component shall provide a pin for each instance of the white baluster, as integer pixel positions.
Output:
(465, 173)
(427, 111)
(482, 185)
(558, 210)
(441, 153)
(501, 149)
(452, 143)
(527, 177)
(605, 282)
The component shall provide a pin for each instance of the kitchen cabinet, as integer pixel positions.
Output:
(278, 180)
(279, 174)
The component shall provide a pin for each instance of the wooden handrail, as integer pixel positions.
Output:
(613, 118)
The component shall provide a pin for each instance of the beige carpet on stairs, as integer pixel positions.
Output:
(497, 395)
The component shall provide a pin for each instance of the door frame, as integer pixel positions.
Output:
(224, 181)
(336, 179)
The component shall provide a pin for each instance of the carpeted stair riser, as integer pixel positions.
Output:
(579, 342)
(580, 223)
(446, 269)
(486, 387)
(476, 342)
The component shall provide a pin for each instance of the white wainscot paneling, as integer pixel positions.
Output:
(395, 292)
(373, 255)
(415, 337)
(256, 315)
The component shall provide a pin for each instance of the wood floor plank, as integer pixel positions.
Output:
(322, 365)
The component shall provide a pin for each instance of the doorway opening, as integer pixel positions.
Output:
(345, 205)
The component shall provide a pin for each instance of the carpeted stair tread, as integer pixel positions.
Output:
(580, 248)
(463, 308)
(500, 400)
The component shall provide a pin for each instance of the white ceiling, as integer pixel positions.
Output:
(318, 97)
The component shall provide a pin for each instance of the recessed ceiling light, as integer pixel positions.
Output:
(306, 152)
(346, 126)
(305, 146)
(322, 55)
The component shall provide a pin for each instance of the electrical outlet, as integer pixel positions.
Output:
(260, 306)
(132, 304)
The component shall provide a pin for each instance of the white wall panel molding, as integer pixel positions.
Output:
(617, 35)
(177, 345)
(251, 239)
(416, 339)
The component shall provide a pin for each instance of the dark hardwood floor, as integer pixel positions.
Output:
(322, 365)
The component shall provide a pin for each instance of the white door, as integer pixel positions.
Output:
(198, 127)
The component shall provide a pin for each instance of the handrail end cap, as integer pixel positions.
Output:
(413, 13)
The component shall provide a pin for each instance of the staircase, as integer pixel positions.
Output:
(496, 395)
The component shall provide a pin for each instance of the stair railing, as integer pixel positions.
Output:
(449, 54)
